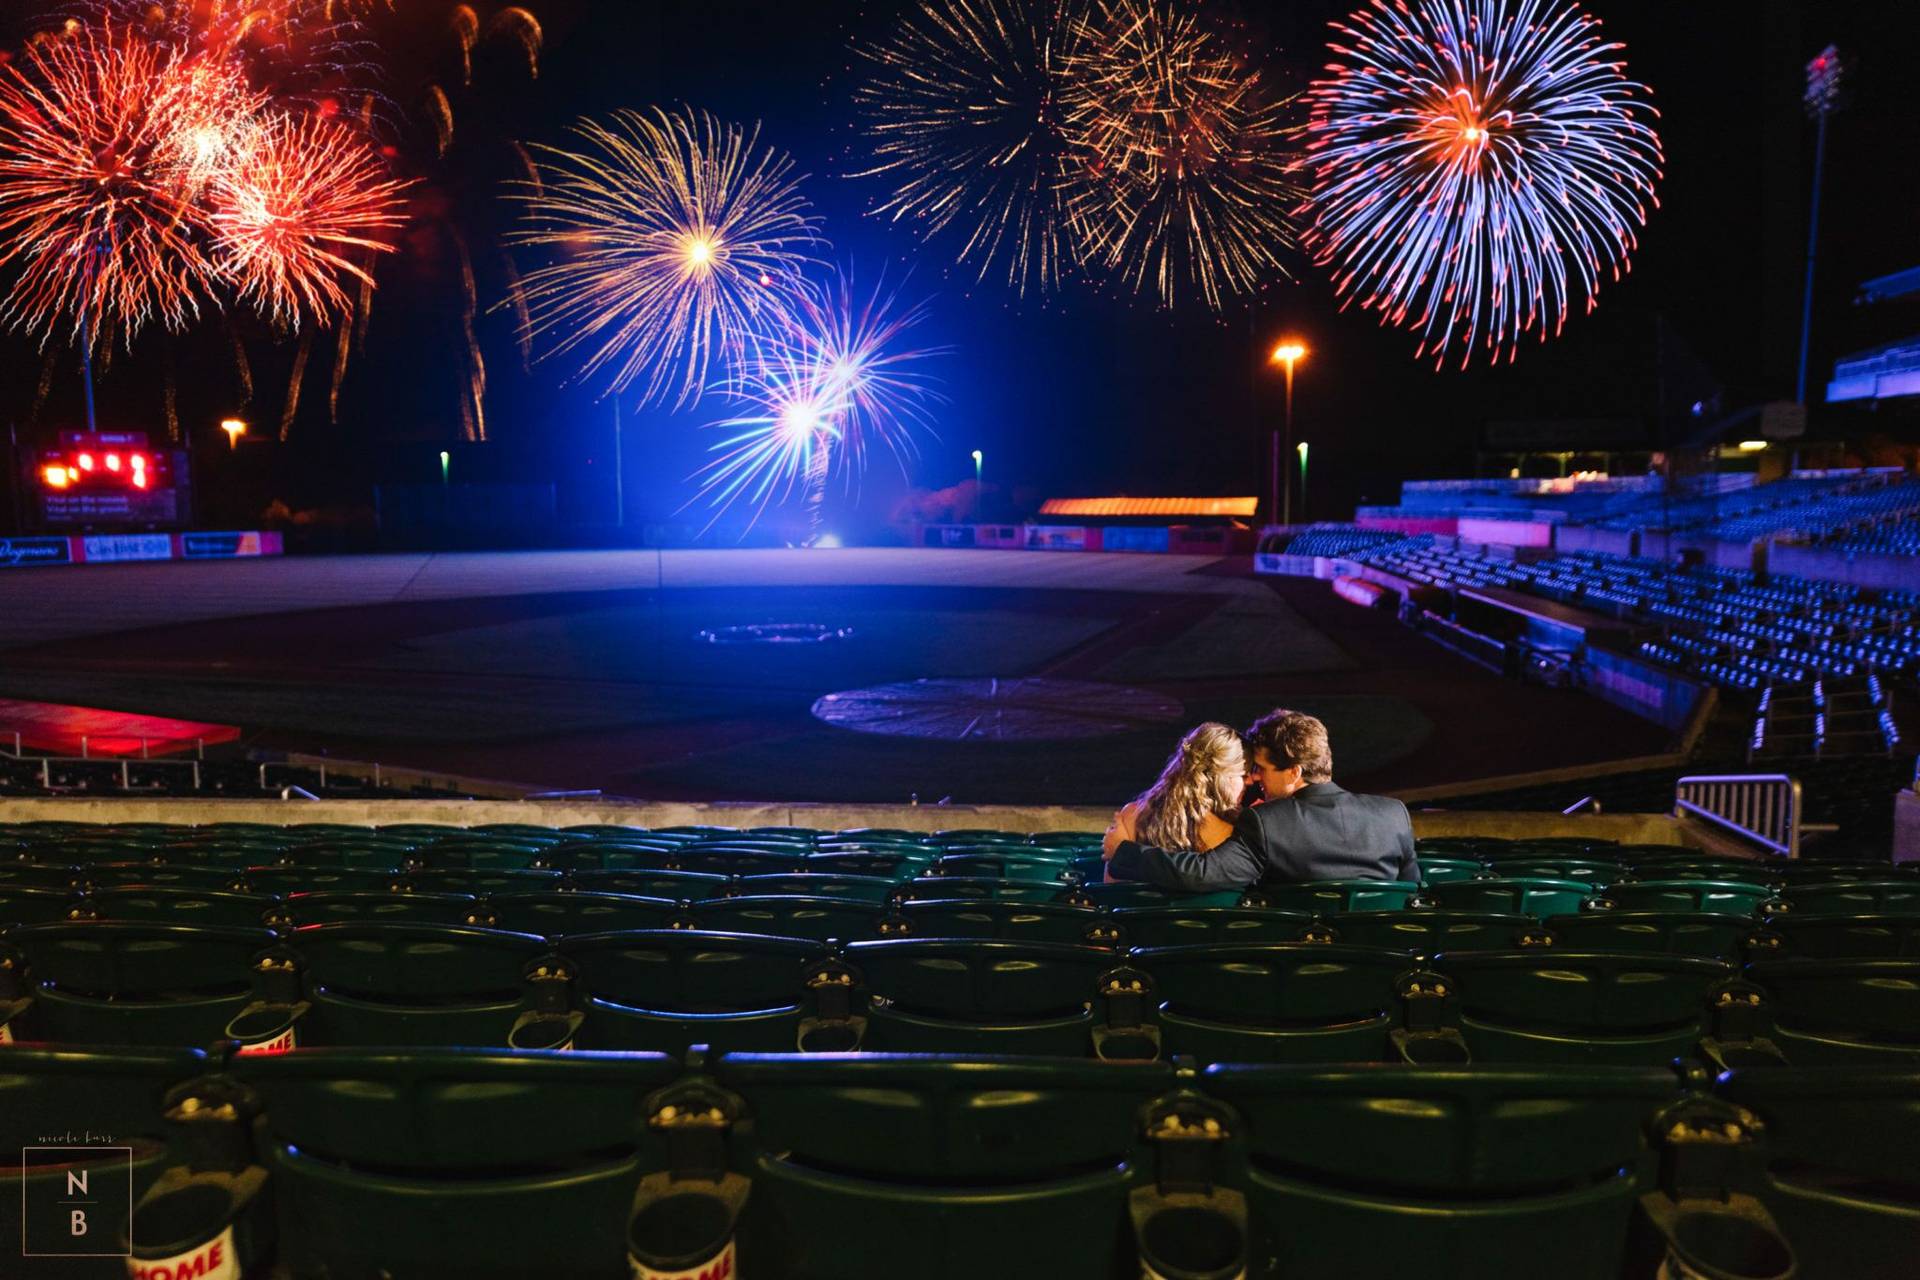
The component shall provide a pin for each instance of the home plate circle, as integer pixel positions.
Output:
(1025, 709)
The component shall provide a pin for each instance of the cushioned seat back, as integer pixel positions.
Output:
(979, 979)
(1116, 897)
(111, 982)
(1721, 897)
(479, 853)
(1011, 921)
(1589, 871)
(790, 916)
(1386, 1172)
(456, 1163)
(553, 914)
(1186, 926)
(887, 864)
(345, 854)
(1842, 1180)
(113, 874)
(677, 886)
(606, 855)
(43, 876)
(1687, 933)
(1439, 870)
(1427, 932)
(1009, 865)
(1602, 1008)
(368, 907)
(741, 862)
(290, 880)
(1517, 895)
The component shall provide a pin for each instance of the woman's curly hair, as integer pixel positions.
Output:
(1202, 777)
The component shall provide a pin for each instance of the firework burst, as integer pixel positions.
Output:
(297, 217)
(675, 240)
(962, 106)
(1187, 150)
(836, 381)
(98, 222)
(1477, 165)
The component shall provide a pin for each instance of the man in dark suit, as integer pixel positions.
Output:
(1308, 828)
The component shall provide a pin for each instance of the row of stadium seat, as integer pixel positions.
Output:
(1436, 996)
(356, 1164)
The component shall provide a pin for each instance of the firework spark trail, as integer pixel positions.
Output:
(1192, 183)
(98, 221)
(835, 382)
(291, 217)
(1477, 165)
(962, 107)
(676, 240)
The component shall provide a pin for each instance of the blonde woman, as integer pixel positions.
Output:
(1194, 804)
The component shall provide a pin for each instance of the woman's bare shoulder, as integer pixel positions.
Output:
(1214, 830)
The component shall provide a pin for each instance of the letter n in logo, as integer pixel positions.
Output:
(75, 1201)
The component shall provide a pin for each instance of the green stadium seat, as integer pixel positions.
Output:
(1519, 895)
(946, 888)
(1192, 926)
(27, 904)
(21, 875)
(1742, 870)
(343, 854)
(1388, 1172)
(871, 836)
(1323, 896)
(1445, 870)
(666, 990)
(973, 995)
(1797, 873)
(851, 888)
(1013, 865)
(519, 831)
(1855, 897)
(415, 984)
(1715, 897)
(553, 914)
(445, 1163)
(1009, 921)
(1844, 1012)
(1842, 937)
(861, 1162)
(479, 853)
(368, 907)
(610, 830)
(1589, 871)
(1841, 1177)
(677, 886)
(605, 855)
(102, 1099)
(1277, 1002)
(962, 836)
(887, 864)
(1588, 1008)
(281, 881)
(421, 833)
(168, 905)
(101, 982)
(1686, 933)
(1428, 932)
(741, 862)
(1125, 895)
(790, 916)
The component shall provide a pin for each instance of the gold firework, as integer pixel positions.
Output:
(674, 239)
(1190, 183)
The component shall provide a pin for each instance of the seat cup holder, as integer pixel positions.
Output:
(684, 1236)
(1192, 1242)
(1703, 1245)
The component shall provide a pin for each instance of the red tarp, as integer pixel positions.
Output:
(45, 726)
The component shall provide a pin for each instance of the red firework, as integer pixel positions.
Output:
(302, 212)
(99, 227)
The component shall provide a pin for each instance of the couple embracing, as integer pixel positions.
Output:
(1229, 812)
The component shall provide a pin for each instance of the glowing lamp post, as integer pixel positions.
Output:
(1301, 449)
(234, 428)
(976, 468)
(446, 463)
(1286, 355)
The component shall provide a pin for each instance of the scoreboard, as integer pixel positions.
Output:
(95, 479)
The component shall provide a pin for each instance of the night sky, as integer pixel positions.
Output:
(1084, 392)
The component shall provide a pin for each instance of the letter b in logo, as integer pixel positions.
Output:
(77, 1201)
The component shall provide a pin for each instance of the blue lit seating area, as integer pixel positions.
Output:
(964, 1048)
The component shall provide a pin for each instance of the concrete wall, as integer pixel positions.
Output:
(1634, 828)
(1613, 542)
(1507, 533)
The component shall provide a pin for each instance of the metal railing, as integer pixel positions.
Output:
(1764, 808)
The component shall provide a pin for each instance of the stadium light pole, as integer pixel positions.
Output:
(1286, 355)
(1822, 98)
(235, 428)
(1301, 448)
